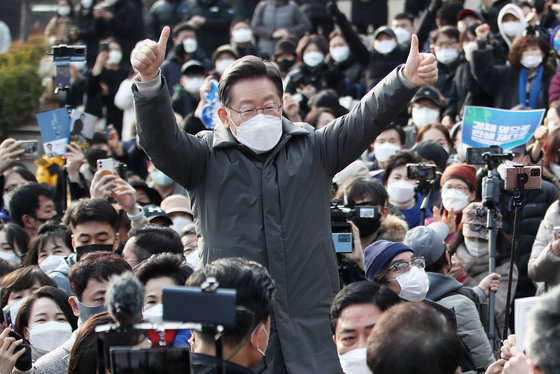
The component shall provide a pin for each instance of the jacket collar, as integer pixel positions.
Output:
(224, 138)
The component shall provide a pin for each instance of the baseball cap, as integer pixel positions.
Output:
(151, 212)
(427, 241)
(176, 203)
(429, 93)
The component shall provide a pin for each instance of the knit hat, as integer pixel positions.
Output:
(467, 173)
(474, 226)
(432, 151)
(378, 255)
(427, 241)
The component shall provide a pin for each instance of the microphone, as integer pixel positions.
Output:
(125, 299)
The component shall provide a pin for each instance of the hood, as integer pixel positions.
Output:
(441, 285)
(393, 229)
(517, 12)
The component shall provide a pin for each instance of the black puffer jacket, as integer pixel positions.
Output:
(466, 91)
(165, 13)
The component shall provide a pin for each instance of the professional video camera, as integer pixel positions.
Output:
(341, 213)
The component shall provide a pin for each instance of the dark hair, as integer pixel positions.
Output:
(398, 160)
(5, 268)
(96, 265)
(182, 27)
(23, 279)
(447, 14)
(313, 116)
(449, 31)
(363, 292)
(88, 210)
(398, 129)
(521, 44)
(248, 67)
(25, 200)
(240, 20)
(164, 265)
(405, 15)
(435, 126)
(470, 30)
(84, 351)
(358, 187)
(53, 293)
(22, 171)
(47, 232)
(152, 239)
(438, 265)
(16, 235)
(306, 40)
(255, 291)
(417, 332)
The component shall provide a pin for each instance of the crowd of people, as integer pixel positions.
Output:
(237, 129)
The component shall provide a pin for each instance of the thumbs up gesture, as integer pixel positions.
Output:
(147, 57)
(420, 68)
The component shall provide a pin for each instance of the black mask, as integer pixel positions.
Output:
(85, 249)
(285, 65)
(92, 155)
(366, 219)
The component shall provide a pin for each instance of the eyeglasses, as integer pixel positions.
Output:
(463, 189)
(248, 113)
(403, 267)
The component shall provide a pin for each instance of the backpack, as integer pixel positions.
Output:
(481, 308)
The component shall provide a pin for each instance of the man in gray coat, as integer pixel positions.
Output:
(260, 185)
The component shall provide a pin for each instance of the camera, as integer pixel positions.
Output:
(421, 172)
(103, 47)
(341, 230)
(523, 177)
(30, 148)
(475, 154)
(64, 52)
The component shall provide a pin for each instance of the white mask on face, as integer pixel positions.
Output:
(87, 3)
(414, 284)
(354, 361)
(243, 35)
(447, 55)
(10, 257)
(179, 222)
(469, 47)
(385, 150)
(424, 115)
(385, 46)
(453, 199)
(340, 54)
(403, 35)
(14, 308)
(551, 127)
(502, 169)
(115, 57)
(51, 262)
(476, 249)
(223, 64)
(190, 45)
(400, 191)
(192, 85)
(462, 150)
(511, 28)
(531, 61)
(49, 335)
(313, 58)
(6, 199)
(555, 169)
(154, 314)
(260, 133)
(63, 11)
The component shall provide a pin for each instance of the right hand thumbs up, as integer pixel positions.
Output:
(147, 57)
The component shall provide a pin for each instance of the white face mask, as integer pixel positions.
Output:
(192, 85)
(14, 308)
(313, 58)
(6, 199)
(551, 125)
(179, 222)
(502, 169)
(49, 335)
(511, 28)
(414, 284)
(469, 47)
(51, 262)
(79, 65)
(10, 257)
(87, 3)
(385, 150)
(243, 35)
(115, 57)
(385, 46)
(223, 64)
(160, 178)
(453, 199)
(400, 191)
(190, 45)
(476, 249)
(354, 361)
(462, 150)
(340, 54)
(154, 314)
(403, 35)
(63, 11)
(424, 115)
(447, 55)
(531, 61)
(555, 169)
(260, 133)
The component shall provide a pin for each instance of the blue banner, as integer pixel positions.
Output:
(507, 128)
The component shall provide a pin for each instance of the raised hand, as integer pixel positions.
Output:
(147, 57)
(420, 68)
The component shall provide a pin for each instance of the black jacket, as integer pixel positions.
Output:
(165, 13)
(446, 75)
(215, 31)
(201, 363)
(466, 91)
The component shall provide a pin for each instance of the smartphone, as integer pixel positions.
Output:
(107, 165)
(103, 47)
(556, 229)
(30, 148)
(7, 315)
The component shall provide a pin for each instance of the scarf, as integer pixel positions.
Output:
(535, 87)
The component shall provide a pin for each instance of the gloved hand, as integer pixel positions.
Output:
(23, 363)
